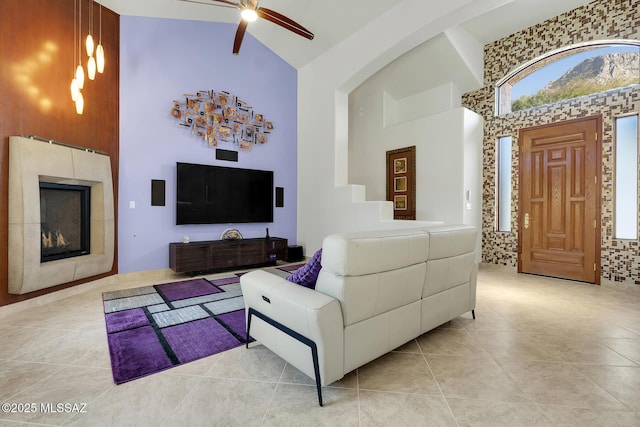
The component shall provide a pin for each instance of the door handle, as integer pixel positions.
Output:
(526, 220)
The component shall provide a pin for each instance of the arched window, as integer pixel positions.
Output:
(568, 73)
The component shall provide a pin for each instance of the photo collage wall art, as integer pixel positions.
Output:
(221, 117)
(401, 182)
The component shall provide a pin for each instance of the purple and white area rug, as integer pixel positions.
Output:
(153, 328)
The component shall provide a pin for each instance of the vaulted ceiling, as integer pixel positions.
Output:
(334, 20)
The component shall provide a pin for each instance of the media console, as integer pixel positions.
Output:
(212, 255)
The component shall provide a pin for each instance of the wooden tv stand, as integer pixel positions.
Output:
(218, 255)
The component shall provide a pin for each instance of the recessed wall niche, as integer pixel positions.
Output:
(31, 162)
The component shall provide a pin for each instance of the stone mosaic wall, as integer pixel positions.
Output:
(599, 20)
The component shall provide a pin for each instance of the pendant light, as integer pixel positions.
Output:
(100, 58)
(79, 69)
(80, 76)
(79, 103)
(75, 90)
(89, 44)
(95, 62)
(89, 41)
(91, 62)
(91, 68)
(100, 49)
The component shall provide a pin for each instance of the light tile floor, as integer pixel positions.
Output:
(542, 352)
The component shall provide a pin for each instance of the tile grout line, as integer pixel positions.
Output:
(273, 395)
(358, 396)
(599, 386)
(499, 365)
(433, 375)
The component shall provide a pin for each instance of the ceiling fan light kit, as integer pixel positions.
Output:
(248, 15)
(249, 12)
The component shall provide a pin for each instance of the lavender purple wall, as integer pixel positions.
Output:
(160, 60)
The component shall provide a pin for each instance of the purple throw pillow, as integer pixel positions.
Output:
(307, 275)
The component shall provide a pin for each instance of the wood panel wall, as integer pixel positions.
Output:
(36, 67)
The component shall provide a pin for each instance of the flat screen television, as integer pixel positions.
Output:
(208, 194)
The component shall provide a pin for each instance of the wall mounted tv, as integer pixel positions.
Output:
(219, 195)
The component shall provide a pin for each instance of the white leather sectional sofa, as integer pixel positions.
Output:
(376, 291)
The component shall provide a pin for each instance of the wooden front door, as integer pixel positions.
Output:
(559, 209)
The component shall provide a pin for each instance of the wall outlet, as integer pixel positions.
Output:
(132, 204)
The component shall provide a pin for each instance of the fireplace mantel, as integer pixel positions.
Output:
(32, 161)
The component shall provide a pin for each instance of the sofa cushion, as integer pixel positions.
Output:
(366, 296)
(307, 275)
(451, 240)
(359, 253)
(446, 273)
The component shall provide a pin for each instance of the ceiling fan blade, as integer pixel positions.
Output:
(238, 5)
(214, 3)
(242, 27)
(284, 22)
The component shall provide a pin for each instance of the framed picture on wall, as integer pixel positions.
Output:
(400, 165)
(401, 182)
(400, 203)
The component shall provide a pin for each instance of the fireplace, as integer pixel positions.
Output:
(33, 161)
(64, 221)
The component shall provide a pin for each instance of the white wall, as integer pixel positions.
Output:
(440, 98)
(418, 120)
(323, 126)
(448, 161)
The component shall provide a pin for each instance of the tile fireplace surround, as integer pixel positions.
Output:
(31, 162)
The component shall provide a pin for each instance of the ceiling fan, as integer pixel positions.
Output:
(250, 11)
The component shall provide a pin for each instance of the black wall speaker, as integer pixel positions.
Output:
(157, 192)
(228, 155)
(279, 197)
